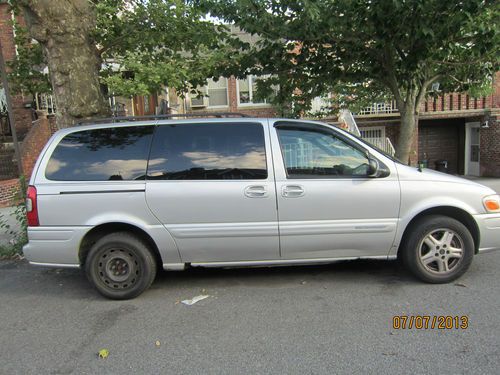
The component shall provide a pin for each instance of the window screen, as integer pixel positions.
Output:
(228, 151)
(103, 154)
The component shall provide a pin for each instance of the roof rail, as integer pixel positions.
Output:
(159, 117)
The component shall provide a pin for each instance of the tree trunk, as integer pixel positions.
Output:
(64, 28)
(409, 122)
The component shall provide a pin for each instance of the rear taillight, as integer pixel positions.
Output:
(31, 207)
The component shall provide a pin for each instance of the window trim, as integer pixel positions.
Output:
(325, 130)
(267, 150)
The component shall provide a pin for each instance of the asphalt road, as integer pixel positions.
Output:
(295, 320)
(334, 319)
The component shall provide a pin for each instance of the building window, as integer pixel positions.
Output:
(247, 91)
(214, 94)
(217, 93)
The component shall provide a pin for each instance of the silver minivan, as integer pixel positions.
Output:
(123, 199)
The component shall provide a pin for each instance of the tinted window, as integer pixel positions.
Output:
(316, 154)
(228, 151)
(101, 154)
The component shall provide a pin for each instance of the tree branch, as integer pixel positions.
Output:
(423, 89)
(391, 79)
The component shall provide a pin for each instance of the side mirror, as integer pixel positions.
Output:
(375, 170)
(373, 167)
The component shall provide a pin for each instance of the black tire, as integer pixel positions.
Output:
(432, 258)
(120, 266)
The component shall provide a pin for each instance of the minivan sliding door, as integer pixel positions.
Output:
(211, 185)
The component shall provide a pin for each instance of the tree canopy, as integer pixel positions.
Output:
(156, 43)
(139, 47)
(363, 48)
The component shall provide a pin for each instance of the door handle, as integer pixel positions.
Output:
(256, 191)
(292, 191)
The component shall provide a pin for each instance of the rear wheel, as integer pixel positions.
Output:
(438, 249)
(120, 266)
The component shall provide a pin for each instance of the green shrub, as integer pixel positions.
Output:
(19, 235)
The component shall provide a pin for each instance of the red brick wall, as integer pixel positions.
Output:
(8, 192)
(495, 101)
(6, 32)
(22, 115)
(490, 148)
(35, 140)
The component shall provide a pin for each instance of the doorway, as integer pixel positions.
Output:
(472, 148)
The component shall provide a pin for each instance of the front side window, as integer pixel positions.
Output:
(225, 151)
(319, 154)
(101, 155)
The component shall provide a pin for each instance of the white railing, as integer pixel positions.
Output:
(384, 144)
(379, 108)
(45, 102)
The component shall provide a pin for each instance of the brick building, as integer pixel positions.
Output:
(32, 134)
(457, 128)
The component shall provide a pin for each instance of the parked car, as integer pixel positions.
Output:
(124, 199)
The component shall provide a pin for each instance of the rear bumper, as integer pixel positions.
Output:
(489, 227)
(54, 246)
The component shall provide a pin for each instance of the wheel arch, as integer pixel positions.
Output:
(99, 231)
(450, 211)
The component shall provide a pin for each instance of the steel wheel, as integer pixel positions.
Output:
(118, 268)
(120, 265)
(441, 250)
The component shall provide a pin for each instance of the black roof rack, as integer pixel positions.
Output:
(159, 117)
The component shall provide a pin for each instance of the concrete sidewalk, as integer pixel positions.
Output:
(6, 215)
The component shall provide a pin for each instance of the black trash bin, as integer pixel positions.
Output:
(442, 165)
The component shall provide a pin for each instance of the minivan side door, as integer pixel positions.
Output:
(328, 206)
(211, 184)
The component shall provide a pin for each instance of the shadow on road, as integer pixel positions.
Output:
(20, 278)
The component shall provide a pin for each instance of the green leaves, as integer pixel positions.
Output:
(143, 45)
(400, 45)
(156, 43)
(27, 73)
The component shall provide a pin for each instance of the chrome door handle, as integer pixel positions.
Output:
(292, 191)
(256, 191)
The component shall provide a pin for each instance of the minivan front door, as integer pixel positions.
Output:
(328, 206)
(211, 184)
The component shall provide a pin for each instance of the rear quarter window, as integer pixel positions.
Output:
(119, 153)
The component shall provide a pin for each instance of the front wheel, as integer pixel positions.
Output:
(438, 249)
(120, 266)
